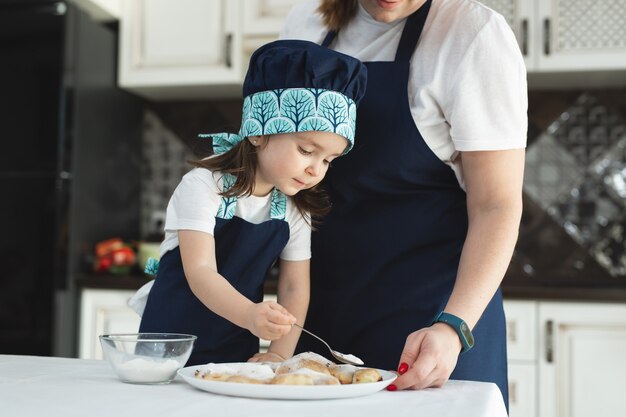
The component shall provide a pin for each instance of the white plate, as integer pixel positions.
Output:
(286, 392)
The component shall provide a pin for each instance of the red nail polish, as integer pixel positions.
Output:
(403, 368)
(392, 388)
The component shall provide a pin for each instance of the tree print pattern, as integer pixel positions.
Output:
(298, 110)
(278, 207)
(222, 142)
(292, 110)
(228, 204)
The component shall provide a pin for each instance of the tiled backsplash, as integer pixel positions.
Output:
(169, 141)
(574, 191)
(573, 227)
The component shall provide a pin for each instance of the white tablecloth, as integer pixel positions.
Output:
(41, 386)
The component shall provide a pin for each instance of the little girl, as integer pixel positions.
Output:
(252, 202)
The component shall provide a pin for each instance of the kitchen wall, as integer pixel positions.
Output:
(170, 140)
(572, 231)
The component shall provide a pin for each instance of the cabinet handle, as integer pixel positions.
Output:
(511, 331)
(549, 341)
(524, 37)
(228, 47)
(512, 392)
(546, 36)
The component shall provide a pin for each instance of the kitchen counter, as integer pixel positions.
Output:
(564, 293)
(35, 386)
(601, 294)
(134, 282)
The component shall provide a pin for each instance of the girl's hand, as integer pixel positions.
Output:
(266, 357)
(269, 320)
(428, 358)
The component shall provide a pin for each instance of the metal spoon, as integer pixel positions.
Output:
(341, 357)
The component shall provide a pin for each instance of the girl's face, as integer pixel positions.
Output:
(388, 11)
(292, 162)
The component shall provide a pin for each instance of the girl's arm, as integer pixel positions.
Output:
(267, 320)
(293, 294)
(494, 205)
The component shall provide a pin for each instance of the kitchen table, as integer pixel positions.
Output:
(47, 386)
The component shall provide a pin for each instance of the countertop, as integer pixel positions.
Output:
(591, 294)
(41, 386)
(561, 293)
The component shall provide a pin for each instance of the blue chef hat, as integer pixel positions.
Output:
(298, 86)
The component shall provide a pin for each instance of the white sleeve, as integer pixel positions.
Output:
(487, 100)
(298, 247)
(194, 204)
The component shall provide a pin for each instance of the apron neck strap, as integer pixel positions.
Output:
(329, 38)
(228, 205)
(410, 34)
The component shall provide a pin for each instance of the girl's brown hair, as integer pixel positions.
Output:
(241, 161)
(337, 13)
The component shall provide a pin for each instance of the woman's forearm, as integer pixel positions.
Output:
(493, 181)
(486, 254)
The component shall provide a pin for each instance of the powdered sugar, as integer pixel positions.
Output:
(249, 370)
(146, 371)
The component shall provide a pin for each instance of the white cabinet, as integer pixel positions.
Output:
(262, 21)
(521, 333)
(265, 17)
(566, 359)
(181, 49)
(103, 311)
(189, 49)
(567, 35)
(582, 361)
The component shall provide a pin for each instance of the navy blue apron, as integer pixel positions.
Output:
(385, 259)
(244, 253)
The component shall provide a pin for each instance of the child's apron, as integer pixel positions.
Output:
(244, 252)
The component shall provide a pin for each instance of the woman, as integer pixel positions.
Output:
(427, 208)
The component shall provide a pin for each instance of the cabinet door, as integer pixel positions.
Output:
(581, 35)
(518, 14)
(521, 330)
(582, 366)
(521, 335)
(265, 17)
(180, 49)
(104, 312)
(522, 390)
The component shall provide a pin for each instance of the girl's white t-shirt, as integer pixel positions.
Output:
(467, 85)
(196, 200)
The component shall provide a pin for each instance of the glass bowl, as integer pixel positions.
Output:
(147, 358)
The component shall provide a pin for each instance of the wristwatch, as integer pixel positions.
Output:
(461, 328)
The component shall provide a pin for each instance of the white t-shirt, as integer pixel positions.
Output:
(467, 87)
(195, 203)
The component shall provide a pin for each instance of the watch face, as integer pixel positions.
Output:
(467, 334)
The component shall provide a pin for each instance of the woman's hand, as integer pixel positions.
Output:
(266, 357)
(269, 320)
(430, 354)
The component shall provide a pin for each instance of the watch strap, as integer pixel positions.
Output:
(461, 328)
